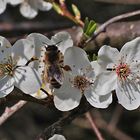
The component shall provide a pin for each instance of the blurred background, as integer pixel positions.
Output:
(115, 122)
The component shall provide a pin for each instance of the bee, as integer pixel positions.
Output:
(54, 65)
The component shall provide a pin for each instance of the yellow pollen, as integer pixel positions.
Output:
(1, 72)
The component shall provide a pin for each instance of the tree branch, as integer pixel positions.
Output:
(116, 35)
(120, 1)
(112, 20)
(17, 95)
(9, 111)
(116, 133)
(93, 125)
(58, 125)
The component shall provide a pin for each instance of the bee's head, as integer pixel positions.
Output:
(51, 48)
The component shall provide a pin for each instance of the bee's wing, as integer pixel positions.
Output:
(56, 72)
(59, 78)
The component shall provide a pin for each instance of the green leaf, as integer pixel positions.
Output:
(91, 23)
(92, 29)
(94, 57)
(85, 24)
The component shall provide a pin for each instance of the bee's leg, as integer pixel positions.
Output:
(31, 60)
(44, 91)
(67, 68)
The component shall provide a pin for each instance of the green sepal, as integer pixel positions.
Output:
(57, 8)
(76, 11)
(89, 27)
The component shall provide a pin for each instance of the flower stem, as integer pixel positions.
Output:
(93, 126)
(9, 111)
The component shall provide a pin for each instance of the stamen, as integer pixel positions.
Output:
(123, 71)
(81, 82)
(1, 72)
(7, 67)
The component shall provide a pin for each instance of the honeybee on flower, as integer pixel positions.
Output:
(54, 66)
(78, 82)
(50, 54)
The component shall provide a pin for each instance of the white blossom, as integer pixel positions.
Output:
(13, 68)
(3, 4)
(15, 2)
(122, 73)
(57, 137)
(38, 42)
(29, 8)
(79, 81)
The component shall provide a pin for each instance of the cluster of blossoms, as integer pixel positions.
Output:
(28, 8)
(22, 65)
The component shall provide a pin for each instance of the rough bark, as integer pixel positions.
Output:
(116, 35)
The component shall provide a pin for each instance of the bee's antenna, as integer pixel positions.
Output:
(50, 45)
(58, 42)
(44, 45)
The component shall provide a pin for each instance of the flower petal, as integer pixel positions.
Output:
(66, 97)
(77, 59)
(42, 94)
(22, 51)
(107, 55)
(27, 10)
(39, 95)
(3, 4)
(63, 41)
(6, 86)
(97, 68)
(43, 5)
(5, 48)
(57, 137)
(39, 42)
(96, 100)
(105, 83)
(131, 50)
(27, 80)
(128, 94)
(15, 2)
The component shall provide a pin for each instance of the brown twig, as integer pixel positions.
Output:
(116, 133)
(110, 21)
(9, 111)
(17, 95)
(66, 13)
(58, 125)
(102, 124)
(93, 126)
(120, 1)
